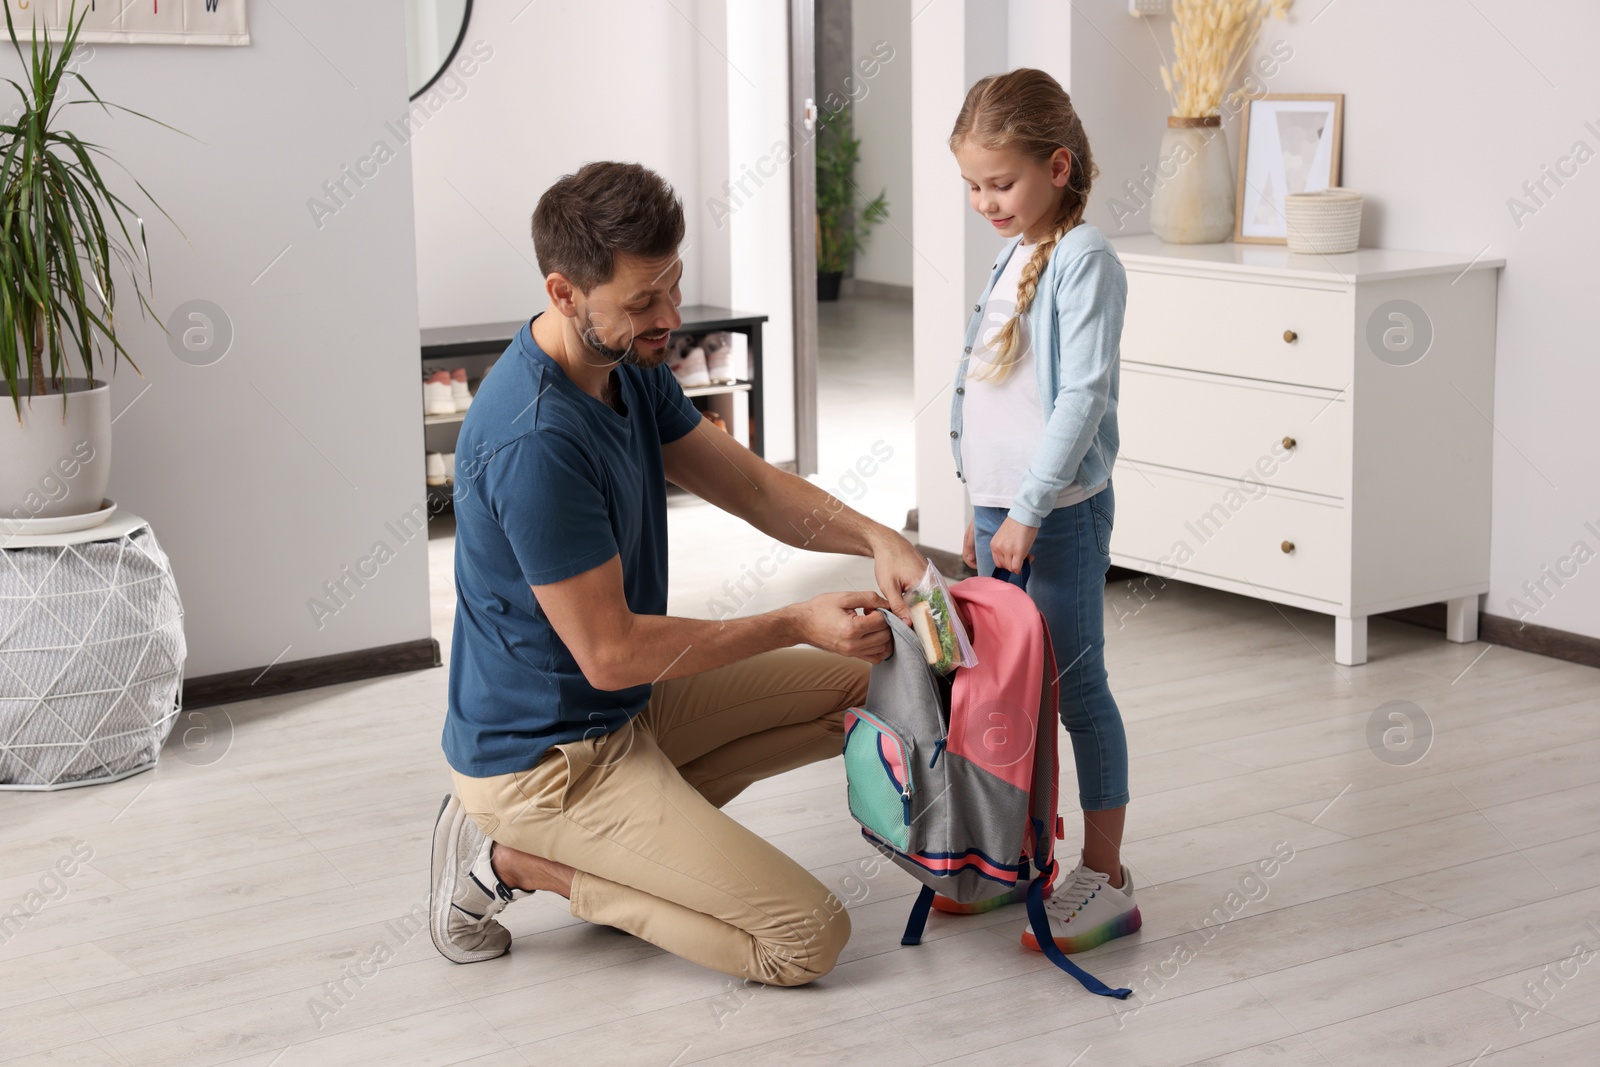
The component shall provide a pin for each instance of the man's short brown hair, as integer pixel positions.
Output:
(585, 219)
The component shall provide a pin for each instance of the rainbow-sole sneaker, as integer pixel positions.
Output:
(1085, 912)
(1015, 896)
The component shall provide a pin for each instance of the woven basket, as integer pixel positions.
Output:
(1323, 222)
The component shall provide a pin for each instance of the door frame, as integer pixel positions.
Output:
(803, 220)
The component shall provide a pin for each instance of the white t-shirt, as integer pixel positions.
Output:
(1002, 423)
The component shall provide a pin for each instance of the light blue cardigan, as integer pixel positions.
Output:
(1075, 324)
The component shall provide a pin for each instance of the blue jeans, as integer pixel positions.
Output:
(1068, 583)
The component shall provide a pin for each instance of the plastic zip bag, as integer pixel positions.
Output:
(936, 623)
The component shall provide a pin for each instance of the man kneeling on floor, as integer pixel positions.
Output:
(592, 738)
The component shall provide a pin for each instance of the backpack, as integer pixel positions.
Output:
(954, 777)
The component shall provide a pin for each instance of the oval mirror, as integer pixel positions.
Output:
(434, 30)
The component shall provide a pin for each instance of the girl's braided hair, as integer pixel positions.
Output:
(1027, 109)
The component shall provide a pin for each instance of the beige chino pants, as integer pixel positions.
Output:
(635, 812)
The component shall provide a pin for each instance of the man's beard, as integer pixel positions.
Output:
(590, 335)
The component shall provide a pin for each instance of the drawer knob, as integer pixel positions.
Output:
(1290, 337)
(1289, 443)
(1288, 546)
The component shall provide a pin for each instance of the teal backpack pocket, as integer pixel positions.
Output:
(877, 764)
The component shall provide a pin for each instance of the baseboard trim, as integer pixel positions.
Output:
(230, 687)
(1524, 637)
(858, 287)
(1493, 629)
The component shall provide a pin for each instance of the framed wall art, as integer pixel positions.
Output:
(215, 22)
(1288, 143)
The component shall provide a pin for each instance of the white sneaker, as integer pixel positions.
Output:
(450, 468)
(718, 348)
(459, 393)
(1085, 911)
(690, 369)
(466, 895)
(436, 474)
(437, 397)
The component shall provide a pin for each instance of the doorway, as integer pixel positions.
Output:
(853, 372)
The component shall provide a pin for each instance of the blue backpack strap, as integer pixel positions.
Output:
(1019, 579)
(919, 917)
(1047, 944)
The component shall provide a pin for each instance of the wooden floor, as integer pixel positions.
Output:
(257, 901)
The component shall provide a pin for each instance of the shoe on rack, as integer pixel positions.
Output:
(458, 389)
(437, 396)
(465, 894)
(436, 475)
(450, 468)
(718, 348)
(717, 420)
(690, 367)
(1084, 911)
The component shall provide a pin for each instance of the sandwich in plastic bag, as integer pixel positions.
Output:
(934, 619)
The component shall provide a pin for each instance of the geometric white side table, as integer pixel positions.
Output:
(91, 655)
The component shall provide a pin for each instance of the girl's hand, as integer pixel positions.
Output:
(1012, 544)
(969, 547)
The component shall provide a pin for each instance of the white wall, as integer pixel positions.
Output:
(564, 84)
(1114, 79)
(266, 473)
(954, 44)
(757, 220)
(697, 91)
(883, 123)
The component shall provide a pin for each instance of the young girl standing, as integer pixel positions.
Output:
(1033, 424)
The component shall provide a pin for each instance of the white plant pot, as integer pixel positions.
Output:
(55, 460)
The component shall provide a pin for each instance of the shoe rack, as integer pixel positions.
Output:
(476, 347)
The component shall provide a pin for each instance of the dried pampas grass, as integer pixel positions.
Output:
(1211, 39)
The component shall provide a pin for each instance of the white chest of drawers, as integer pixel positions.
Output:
(1309, 430)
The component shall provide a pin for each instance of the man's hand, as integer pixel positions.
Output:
(969, 546)
(1012, 544)
(898, 566)
(830, 623)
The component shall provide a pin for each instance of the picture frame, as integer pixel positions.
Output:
(1288, 143)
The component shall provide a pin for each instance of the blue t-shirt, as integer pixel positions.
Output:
(550, 483)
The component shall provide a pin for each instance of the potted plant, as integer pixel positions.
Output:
(58, 291)
(841, 229)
